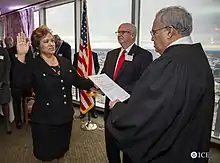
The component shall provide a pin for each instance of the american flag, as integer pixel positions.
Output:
(85, 62)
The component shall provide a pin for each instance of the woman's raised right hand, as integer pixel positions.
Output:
(22, 46)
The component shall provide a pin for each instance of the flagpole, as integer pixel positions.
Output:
(89, 116)
(88, 125)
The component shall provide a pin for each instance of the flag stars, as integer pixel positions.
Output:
(84, 30)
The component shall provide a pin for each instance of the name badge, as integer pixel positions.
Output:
(1, 57)
(60, 55)
(129, 58)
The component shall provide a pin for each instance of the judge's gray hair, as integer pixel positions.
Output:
(177, 17)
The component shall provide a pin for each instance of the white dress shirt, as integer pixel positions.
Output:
(126, 53)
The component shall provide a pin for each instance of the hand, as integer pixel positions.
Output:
(33, 94)
(96, 90)
(112, 103)
(96, 87)
(22, 44)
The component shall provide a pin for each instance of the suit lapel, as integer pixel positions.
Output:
(126, 63)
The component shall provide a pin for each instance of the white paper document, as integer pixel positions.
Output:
(112, 90)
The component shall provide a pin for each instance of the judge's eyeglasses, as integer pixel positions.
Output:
(154, 31)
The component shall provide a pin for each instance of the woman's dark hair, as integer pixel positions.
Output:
(37, 35)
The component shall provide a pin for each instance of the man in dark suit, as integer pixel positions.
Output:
(5, 95)
(18, 93)
(1, 43)
(125, 66)
(97, 67)
(9, 42)
(63, 49)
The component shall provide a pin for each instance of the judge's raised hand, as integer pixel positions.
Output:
(112, 103)
(22, 46)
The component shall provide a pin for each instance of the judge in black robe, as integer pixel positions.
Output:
(169, 114)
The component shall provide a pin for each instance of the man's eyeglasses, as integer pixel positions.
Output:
(121, 32)
(154, 31)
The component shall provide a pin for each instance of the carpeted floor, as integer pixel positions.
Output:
(86, 146)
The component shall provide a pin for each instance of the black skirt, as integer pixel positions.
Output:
(51, 141)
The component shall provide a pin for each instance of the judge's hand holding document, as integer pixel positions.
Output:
(112, 103)
(97, 90)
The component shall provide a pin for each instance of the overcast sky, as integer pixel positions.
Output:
(106, 15)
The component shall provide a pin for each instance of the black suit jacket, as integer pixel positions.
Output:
(64, 50)
(95, 59)
(130, 71)
(5, 66)
(53, 92)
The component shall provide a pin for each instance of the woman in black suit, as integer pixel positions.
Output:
(51, 78)
(5, 95)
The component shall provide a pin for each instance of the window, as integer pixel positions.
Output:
(36, 19)
(60, 20)
(206, 27)
(103, 22)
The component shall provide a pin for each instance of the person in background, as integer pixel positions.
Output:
(18, 92)
(168, 118)
(1, 44)
(97, 67)
(51, 78)
(9, 42)
(5, 94)
(124, 65)
(62, 48)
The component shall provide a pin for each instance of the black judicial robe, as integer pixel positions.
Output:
(170, 111)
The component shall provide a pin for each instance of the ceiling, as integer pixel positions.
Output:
(10, 5)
